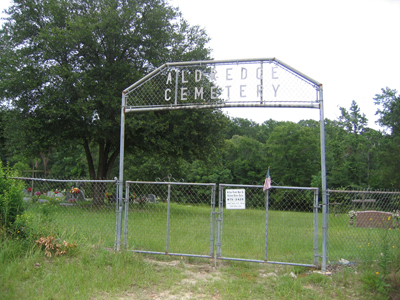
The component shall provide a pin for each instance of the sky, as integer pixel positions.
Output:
(350, 46)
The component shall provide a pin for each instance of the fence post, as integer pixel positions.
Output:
(316, 206)
(212, 233)
(125, 243)
(168, 217)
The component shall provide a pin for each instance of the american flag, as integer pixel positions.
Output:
(267, 183)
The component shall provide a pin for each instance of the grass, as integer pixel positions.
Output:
(94, 271)
(359, 244)
(97, 273)
(88, 272)
(243, 234)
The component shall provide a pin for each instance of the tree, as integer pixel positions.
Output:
(389, 111)
(354, 146)
(353, 121)
(246, 159)
(68, 62)
(294, 154)
(389, 155)
(242, 127)
(2, 136)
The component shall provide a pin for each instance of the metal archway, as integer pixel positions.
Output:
(266, 82)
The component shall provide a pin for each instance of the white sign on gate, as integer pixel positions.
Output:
(235, 199)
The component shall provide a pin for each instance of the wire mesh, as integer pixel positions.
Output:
(363, 225)
(80, 210)
(223, 84)
(285, 232)
(169, 218)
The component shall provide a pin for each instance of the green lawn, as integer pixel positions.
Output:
(290, 234)
(357, 243)
(92, 271)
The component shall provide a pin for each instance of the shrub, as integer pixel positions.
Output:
(11, 199)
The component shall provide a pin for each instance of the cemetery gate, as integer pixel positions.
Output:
(266, 82)
(244, 223)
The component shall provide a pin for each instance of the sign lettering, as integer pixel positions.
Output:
(234, 82)
(235, 198)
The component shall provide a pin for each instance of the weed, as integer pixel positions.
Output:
(52, 247)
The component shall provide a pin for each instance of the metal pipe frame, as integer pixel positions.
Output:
(121, 173)
(324, 192)
(56, 180)
(211, 62)
(272, 187)
(130, 109)
(268, 262)
(171, 254)
(317, 104)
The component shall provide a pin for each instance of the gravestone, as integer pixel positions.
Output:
(374, 219)
(152, 198)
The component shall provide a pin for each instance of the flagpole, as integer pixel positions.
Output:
(266, 224)
(267, 186)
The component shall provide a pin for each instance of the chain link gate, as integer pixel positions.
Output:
(278, 226)
(170, 218)
(174, 218)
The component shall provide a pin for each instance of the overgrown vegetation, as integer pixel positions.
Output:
(11, 204)
(93, 272)
(55, 253)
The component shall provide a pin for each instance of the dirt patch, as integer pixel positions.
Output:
(194, 274)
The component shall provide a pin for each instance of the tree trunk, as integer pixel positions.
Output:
(99, 193)
(105, 164)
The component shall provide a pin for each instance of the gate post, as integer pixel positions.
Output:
(219, 219)
(323, 179)
(212, 233)
(121, 176)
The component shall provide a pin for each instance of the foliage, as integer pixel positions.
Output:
(11, 200)
(383, 275)
(3, 152)
(64, 65)
(389, 110)
(246, 158)
(294, 152)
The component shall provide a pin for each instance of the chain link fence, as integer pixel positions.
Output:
(82, 211)
(189, 219)
(363, 225)
(170, 218)
(280, 226)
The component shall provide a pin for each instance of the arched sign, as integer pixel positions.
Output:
(218, 84)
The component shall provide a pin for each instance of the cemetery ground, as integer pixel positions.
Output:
(83, 265)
